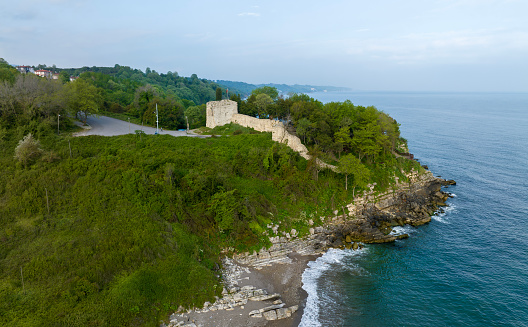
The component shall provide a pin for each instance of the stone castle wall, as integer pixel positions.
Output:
(278, 132)
(226, 111)
(219, 113)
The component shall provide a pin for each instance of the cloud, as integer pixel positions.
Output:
(452, 46)
(253, 14)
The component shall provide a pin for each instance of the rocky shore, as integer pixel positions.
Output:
(264, 288)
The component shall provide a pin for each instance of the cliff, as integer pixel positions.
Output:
(370, 219)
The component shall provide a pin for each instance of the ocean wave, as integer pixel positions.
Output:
(333, 259)
(442, 214)
(406, 229)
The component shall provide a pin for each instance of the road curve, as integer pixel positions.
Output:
(107, 126)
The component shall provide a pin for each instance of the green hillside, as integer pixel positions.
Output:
(122, 231)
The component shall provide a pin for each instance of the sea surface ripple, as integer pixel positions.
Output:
(469, 266)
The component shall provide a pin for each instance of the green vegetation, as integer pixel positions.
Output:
(245, 89)
(228, 129)
(123, 92)
(121, 231)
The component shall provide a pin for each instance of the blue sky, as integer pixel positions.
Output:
(404, 45)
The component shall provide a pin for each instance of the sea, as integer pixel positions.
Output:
(469, 265)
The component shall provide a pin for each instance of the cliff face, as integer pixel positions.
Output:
(370, 219)
(410, 203)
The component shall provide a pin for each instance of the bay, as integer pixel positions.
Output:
(469, 266)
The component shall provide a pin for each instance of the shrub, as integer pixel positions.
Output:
(27, 150)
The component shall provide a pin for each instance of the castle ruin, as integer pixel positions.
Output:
(223, 112)
(219, 113)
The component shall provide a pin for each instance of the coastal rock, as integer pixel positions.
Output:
(370, 219)
(270, 315)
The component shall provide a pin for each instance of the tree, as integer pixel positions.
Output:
(143, 96)
(236, 97)
(303, 127)
(7, 72)
(262, 101)
(342, 138)
(350, 165)
(83, 99)
(27, 150)
(271, 91)
(196, 116)
(227, 209)
(64, 77)
(313, 164)
(218, 93)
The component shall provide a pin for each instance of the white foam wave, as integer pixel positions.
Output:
(443, 213)
(400, 230)
(330, 260)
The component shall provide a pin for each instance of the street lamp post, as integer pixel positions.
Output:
(128, 125)
(58, 124)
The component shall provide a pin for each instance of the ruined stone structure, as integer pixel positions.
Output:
(226, 111)
(220, 112)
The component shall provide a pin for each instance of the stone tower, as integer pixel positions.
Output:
(220, 112)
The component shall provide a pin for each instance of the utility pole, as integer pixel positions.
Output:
(187, 132)
(156, 118)
(58, 124)
(128, 125)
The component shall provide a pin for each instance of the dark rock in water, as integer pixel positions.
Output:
(355, 246)
(425, 167)
(402, 236)
(448, 182)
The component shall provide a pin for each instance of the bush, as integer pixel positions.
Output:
(27, 150)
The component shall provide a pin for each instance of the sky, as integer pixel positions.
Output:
(390, 45)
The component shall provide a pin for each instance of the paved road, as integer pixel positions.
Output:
(107, 126)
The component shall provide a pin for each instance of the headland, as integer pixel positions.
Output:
(264, 288)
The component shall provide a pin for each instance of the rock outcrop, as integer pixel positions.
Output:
(370, 219)
(270, 306)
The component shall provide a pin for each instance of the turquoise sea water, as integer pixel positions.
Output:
(469, 266)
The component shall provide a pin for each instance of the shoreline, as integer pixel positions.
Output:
(281, 284)
(265, 288)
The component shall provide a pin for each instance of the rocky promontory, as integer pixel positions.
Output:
(370, 219)
(266, 285)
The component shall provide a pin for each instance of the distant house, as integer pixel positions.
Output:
(25, 69)
(43, 73)
(73, 78)
(55, 76)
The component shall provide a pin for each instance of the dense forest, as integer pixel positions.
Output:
(122, 231)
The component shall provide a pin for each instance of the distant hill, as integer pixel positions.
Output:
(246, 88)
